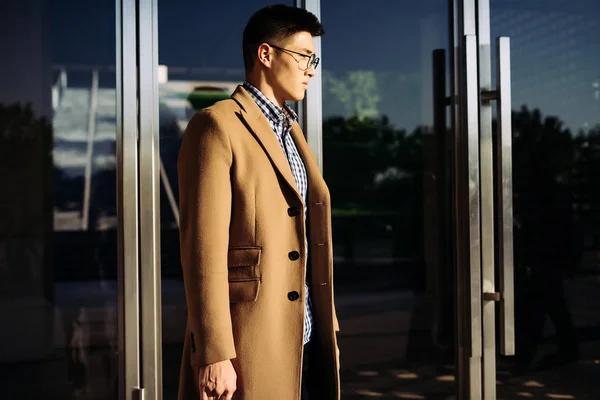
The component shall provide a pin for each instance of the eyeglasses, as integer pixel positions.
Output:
(306, 62)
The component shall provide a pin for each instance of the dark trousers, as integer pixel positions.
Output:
(306, 370)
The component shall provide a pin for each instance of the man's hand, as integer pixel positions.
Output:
(217, 381)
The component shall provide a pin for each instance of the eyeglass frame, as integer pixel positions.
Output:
(313, 56)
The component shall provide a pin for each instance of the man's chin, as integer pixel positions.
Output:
(295, 97)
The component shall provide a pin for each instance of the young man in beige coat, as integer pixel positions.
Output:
(256, 244)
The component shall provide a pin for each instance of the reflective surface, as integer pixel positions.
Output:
(58, 260)
(556, 157)
(385, 166)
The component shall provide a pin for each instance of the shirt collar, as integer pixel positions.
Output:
(271, 111)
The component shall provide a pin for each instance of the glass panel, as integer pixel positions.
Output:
(556, 159)
(200, 57)
(58, 260)
(385, 165)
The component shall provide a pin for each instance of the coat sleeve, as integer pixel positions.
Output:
(204, 164)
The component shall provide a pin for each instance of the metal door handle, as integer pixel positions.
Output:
(504, 194)
(471, 125)
(492, 296)
(505, 197)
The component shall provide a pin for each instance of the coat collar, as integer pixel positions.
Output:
(273, 113)
(258, 124)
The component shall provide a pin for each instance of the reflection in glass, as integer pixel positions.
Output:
(393, 287)
(556, 159)
(57, 204)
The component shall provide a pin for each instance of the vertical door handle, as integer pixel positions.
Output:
(505, 197)
(504, 194)
(471, 126)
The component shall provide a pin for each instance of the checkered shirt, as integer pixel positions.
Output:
(281, 121)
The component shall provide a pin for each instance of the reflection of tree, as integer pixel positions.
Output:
(355, 93)
(586, 176)
(25, 200)
(372, 167)
(547, 161)
(374, 172)
(556, 184)
(541, 148)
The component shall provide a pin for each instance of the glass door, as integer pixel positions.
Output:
(555, 58)
(386, 146)
(68, 200)
(530, 152)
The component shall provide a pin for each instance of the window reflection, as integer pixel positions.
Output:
(57, 203)
(57, 171)
(556, 132)
(395, 337)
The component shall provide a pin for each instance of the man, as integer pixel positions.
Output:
(256, 231)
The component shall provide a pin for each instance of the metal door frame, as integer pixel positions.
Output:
(127, 200)
(150, 176)
(138, 201)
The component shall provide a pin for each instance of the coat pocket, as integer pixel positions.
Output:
(244, 291)
(244, 280)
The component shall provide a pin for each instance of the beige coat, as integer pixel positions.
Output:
(241, 217)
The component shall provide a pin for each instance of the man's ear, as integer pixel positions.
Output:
(265, 55)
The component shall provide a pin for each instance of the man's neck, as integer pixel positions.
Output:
(265, 89)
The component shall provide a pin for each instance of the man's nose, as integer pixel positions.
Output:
(310, 72)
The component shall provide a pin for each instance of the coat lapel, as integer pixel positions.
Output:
(259, 126)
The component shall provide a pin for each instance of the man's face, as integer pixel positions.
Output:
(287, 77)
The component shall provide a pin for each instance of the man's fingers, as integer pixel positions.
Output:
(210, 394)
(217, 381)
(228, 395)
(203, 394)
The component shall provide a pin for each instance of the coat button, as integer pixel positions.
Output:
(293, 211)
(293, 296)
(294, 255)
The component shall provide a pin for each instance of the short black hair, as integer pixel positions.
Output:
(274, 24)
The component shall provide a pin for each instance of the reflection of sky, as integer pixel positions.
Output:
(395, 40)
(555, 53)
(194, 34)
(83, 31)
(555, 60)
